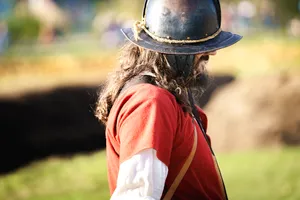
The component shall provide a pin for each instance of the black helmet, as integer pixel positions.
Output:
(181, 27)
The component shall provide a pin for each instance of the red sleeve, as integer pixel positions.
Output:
(148, 120)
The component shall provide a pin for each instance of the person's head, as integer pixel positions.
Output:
(173, 42)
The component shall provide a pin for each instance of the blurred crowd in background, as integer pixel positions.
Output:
(48, 20)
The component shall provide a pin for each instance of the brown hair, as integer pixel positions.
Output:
(133, 61)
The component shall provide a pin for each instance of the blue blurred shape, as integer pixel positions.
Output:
(6, 8)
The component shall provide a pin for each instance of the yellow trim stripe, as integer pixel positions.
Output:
(141, 25)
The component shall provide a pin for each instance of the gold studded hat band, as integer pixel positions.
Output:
(141, 26)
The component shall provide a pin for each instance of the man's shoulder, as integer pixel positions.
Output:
(143, 101)
(147, 91)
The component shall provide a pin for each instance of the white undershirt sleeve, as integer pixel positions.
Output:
(141, 177)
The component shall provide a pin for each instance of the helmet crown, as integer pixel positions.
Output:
(182, 20)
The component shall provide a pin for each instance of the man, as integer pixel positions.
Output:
(157, 147)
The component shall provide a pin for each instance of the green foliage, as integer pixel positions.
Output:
(262, 175)
(286, 9)
(23, 28)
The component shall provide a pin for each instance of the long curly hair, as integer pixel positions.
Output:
(133, 61)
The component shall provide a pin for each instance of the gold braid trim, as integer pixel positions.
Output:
(141, 25)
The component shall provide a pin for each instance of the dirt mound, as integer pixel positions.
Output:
(253, 113)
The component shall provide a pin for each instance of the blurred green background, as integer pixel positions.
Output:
(46, 44)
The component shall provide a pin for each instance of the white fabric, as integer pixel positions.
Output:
(141, 177)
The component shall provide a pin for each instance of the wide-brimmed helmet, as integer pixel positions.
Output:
(181, 27)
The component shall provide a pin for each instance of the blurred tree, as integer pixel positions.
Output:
(23, 28)
(21, 25)
(286, 10)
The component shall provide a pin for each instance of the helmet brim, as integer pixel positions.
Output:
(223, 40)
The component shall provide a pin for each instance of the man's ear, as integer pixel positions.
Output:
(197, 58)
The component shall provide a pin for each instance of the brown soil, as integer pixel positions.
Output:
(254, 113)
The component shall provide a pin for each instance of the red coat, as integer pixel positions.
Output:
(146, 116)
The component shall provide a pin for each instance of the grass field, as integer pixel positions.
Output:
(264, 175)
